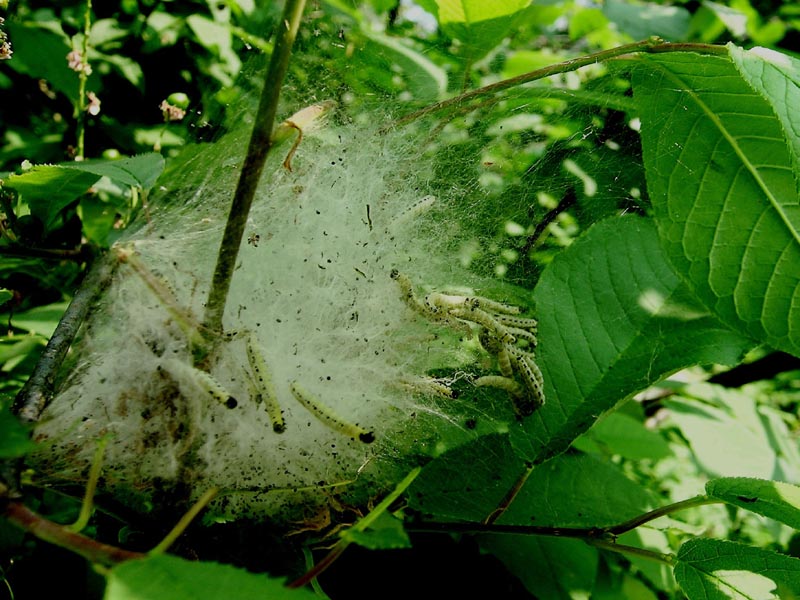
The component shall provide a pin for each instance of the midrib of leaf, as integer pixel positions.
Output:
(712, 116)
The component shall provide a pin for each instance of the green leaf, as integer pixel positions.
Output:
(728, 434)
(477, 24)
(571, 564)
(573, 490)
(47, 189)
(41, 53)
(776, 77)
(625, 436)
(140, 171)
(426, 80)
(717, 570)
(613, 319)
(641, 20)
(773, 499)
(385, 533)
(467, 483)
(576, 490)
(5, 295)
(15, 439)
(721, 175)
(42, 320)
(170, 577)
(15, 349)
(722, 444)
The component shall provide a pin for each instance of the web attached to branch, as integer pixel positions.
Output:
(326, 380)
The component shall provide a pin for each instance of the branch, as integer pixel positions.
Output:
(569, 199)
(653, 44)
(95, 552)
(37, 392)
(257, 152)
(607, 534)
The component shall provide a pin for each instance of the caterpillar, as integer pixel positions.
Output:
(524, 406)
(520, 322)
(530, 373)
(328, 417)
(202, 380)
(413, 302)
(415, 209)
(481, 317)
(265, 388)
(507, 384)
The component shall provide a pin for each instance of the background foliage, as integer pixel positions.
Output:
(651, 291)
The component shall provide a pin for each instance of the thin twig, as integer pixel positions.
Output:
(567, 201)
(660, 512)
(510, 496)
(37, 392)
(653, 44)
(667, 559)
(185, 521)
(79, 254)
(80, 108)
(608, 533)
(257, 152)
(87, 506)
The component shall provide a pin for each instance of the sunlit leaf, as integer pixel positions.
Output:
(627, 437)
(726, 433)
(718, 570)
(479, 25)
(773, 499)
(722, 177)
(613, 319)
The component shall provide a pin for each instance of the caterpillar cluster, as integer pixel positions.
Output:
(508, 337)
(262, 387)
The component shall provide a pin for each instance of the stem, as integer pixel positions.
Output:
(80, 254)
(510, 496)
(668, 559)
(34, 397)
(257, 152)
(467, 73)
(569, 199)
(653, 44)
(96, 552)
(362, 525)
(91, 485)
(588, 533)
(660, 512)
(185, 521)
(82, 78)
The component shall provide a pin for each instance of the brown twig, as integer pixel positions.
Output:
(257, 152)
(96, 552)
(653, 44)
(567, 201)
(38, 390)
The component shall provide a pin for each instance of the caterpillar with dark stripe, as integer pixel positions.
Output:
(327, 417)
(265, 388)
